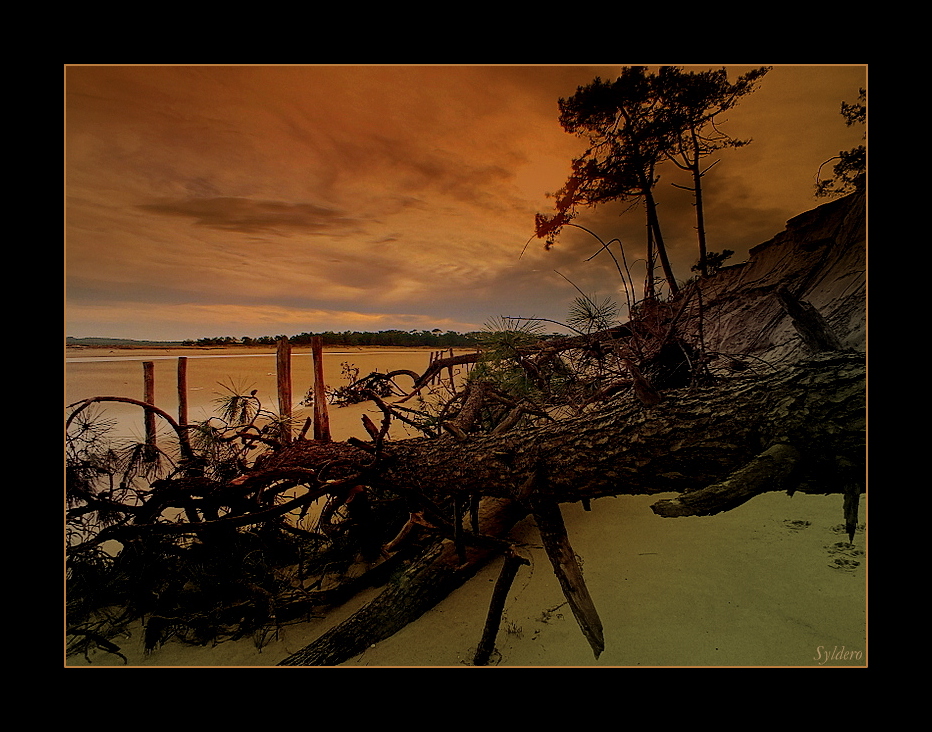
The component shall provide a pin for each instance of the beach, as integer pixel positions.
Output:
(773, 582)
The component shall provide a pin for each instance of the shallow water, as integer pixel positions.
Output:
(210, 376)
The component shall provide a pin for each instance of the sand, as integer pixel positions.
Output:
(772, 583)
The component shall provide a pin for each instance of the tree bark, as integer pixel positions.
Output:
(513, 562)
(718, 446)
(692, 439)
(432, 576)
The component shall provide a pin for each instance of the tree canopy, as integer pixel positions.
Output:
(633, 124)
(692, 103)
(434, 338)
(850, 170)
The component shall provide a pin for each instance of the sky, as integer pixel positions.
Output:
(234, 200)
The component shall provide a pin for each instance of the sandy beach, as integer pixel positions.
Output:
(633, 325)
(771, 583)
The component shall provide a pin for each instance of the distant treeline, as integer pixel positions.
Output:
(433, 338)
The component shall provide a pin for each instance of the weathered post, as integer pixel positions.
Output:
(148, 378)
(434, 356)
(283, 369)
(321, 416)
(182, 390)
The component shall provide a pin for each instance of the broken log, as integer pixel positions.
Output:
(568, 571)
(432, 576)
(796, 422)
(506, 577)
(696, 437)
(809, 323)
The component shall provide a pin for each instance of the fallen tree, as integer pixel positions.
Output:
(693, 438)
(727, 392)
(801, 428)
(798, 423)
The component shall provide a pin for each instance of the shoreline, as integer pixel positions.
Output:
(78, 352)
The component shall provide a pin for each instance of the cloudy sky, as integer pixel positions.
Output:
(209, 201)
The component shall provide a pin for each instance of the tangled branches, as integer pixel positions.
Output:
(214, 537)
(206, 539)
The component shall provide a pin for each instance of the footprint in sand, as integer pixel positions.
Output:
(842, 529)
(845, 565)
(797, 525)
(844, 556)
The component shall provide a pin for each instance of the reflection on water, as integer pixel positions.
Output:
(125, 357)
(210, 376)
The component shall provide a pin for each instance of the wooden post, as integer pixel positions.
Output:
(148, 378)
(321, 416)
(435, 356)
(283, 369)
(182, 390)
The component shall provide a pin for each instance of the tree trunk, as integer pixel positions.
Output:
(436, 572)
(718, 446)
(700, 212)
(654, 222)
(691, 439)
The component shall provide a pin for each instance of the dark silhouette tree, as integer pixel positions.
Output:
(850, 170)
(691, 103)
(627, 140)
(633, 125)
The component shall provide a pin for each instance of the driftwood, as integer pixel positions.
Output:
(716, 446)
(716, 443)
(513, 562)
(431, 577)
(694, 438)
(568, 572)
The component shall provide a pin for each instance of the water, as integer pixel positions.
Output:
(210, 376)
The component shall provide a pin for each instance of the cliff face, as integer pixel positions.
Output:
(821, 258)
